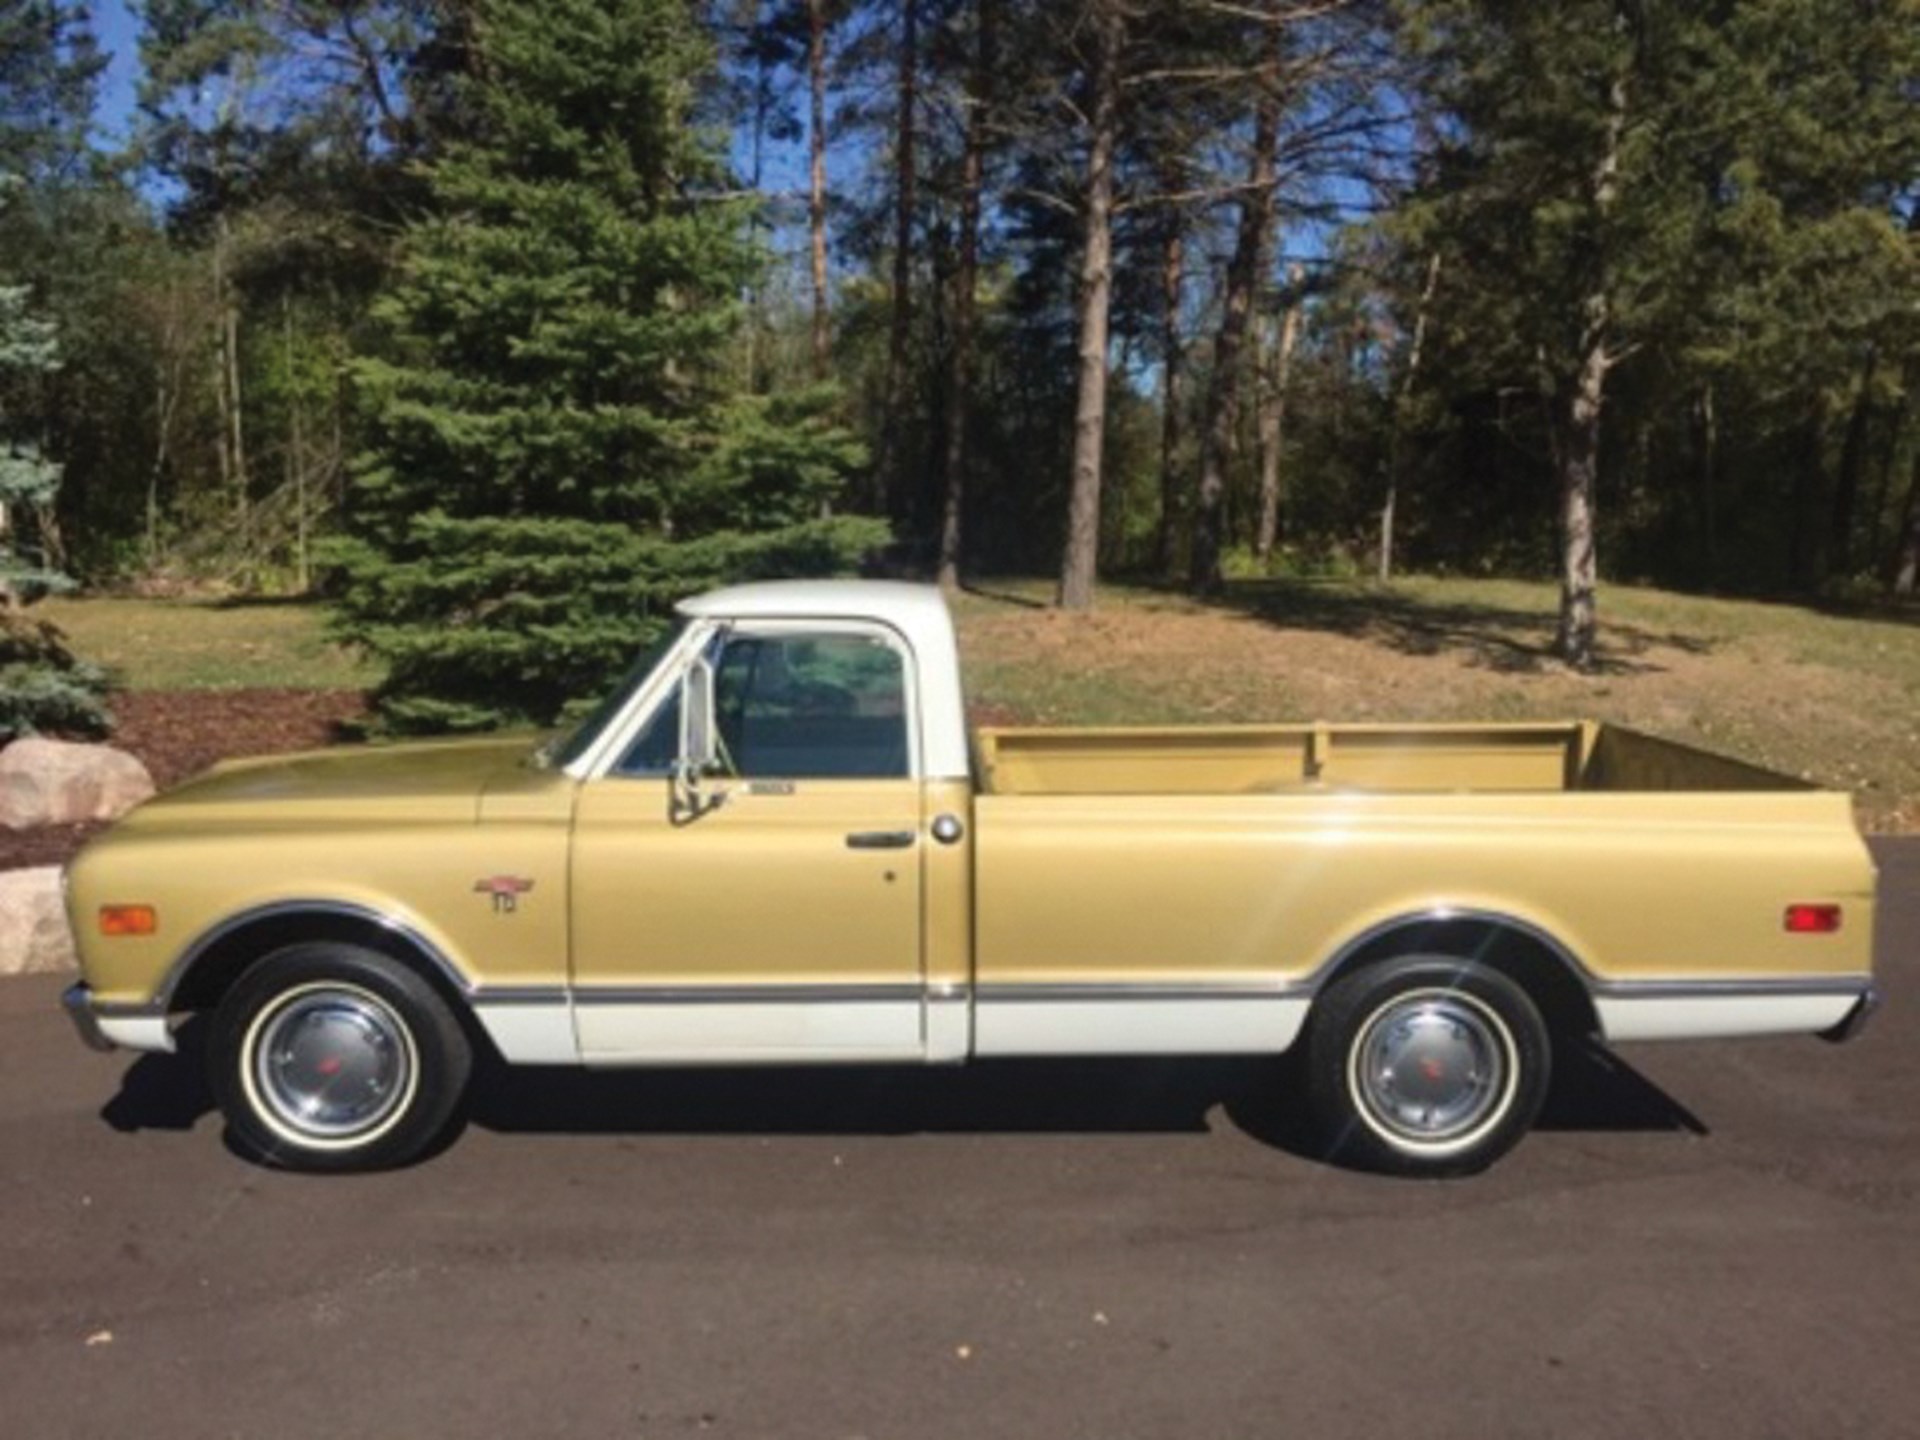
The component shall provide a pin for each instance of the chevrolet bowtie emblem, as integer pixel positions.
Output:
(506, 891)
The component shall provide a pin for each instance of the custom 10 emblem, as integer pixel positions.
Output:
(506, 891)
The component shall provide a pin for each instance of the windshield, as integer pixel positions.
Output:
(563, 750)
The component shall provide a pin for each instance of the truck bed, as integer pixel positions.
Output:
(1574, 755)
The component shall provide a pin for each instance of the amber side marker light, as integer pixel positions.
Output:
(1813, 919)
(128, 920)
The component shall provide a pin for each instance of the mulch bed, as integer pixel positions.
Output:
(179, 733)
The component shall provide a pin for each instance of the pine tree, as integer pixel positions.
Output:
(558, 453)
(1563, 215)
(48, 65)
(42, 685)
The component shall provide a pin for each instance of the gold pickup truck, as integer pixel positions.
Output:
(775, 843)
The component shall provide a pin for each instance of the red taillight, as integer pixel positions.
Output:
(1812, 919)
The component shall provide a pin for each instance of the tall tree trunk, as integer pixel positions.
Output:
(169, 380)
(1244, 273)
(232, 451)
(1577, 418)
(1396, 441)
(1903, 566)
(756, 141)
(888, 465)
(1905, 440)
(1906, 565)
(1276, 370)
(163, 411)
(1804, 552)
(817, 176)
(1853, 459)
(965, 283)
(1707, 427)
(1173, 360)
(296, 449)
(235, 411)
(1080, 562)
(1577, 451)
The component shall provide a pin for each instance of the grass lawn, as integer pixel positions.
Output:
(1832, 698)
(209, 644)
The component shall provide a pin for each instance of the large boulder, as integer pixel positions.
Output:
(56, 782)
(34, 938)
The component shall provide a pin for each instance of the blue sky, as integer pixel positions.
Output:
(119, 33)
(118, 30)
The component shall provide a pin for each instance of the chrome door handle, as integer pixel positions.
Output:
(880, 840)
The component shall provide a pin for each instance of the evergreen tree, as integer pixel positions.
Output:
(42, 685)
(558, 452)
(48, 68)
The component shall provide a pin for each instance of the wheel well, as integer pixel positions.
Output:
(214, 970)
(1546, 972)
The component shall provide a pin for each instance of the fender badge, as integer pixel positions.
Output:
(506, 891)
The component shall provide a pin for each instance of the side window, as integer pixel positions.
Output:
(800, 706)
(657, 746)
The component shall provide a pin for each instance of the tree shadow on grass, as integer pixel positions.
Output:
(1506, 639)
(1891, 610)
(265, 602)
(1001, 596)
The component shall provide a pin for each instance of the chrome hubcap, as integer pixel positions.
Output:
(333, 1062)
(1430, 1066)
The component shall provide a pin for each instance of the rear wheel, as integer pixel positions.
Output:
(1426, 1065)
(332, 1057)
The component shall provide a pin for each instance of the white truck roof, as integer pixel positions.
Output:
(917, 612)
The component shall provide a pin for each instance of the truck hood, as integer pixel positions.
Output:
(438, 780)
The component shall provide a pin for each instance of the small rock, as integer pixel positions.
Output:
(57, 782)
(34, 938)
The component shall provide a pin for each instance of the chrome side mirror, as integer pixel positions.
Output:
(699, 740)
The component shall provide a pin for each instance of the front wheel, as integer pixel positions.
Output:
(332, 1057)
(1426, 1065)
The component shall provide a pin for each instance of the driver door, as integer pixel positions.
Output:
(782, 921)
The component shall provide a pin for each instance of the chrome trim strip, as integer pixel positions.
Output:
(638, 706)
(745, 994)
(121, 1009)
(598, 761)
(1016, 992)
(1856, 1018)
(1443, 914)
(207, 939)
(518, 995)
(77, 1001)
(1757, 986)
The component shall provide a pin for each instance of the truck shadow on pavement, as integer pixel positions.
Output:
(1593, 1091)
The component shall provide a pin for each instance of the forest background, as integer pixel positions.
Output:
(502, 323)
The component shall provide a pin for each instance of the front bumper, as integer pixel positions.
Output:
(105, 1026)
(1855, 1019)
(77, 1001)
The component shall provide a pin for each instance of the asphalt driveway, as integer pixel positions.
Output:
(1705, 1239)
